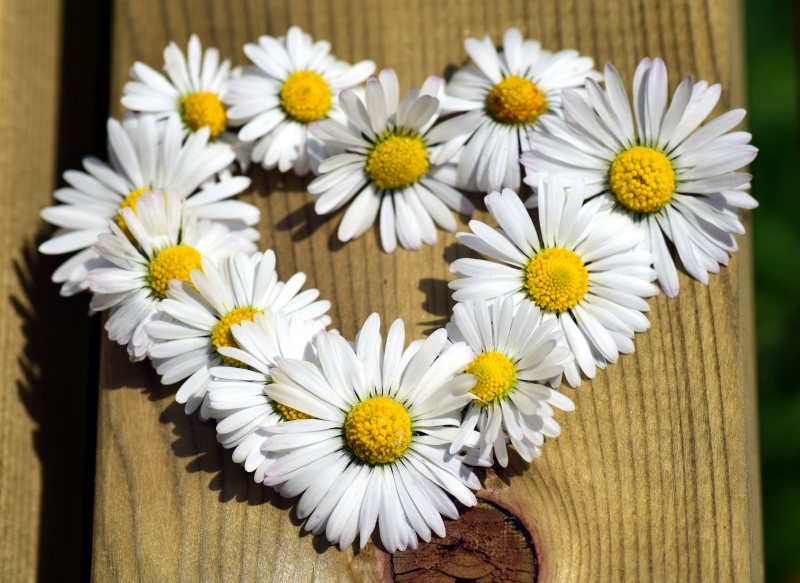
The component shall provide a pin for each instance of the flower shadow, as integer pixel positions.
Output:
(437, 303)
(300, 220)
(516, 467)
(196, 441)
(57, 388)
(303, 222)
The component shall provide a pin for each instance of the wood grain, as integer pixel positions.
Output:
(44, 340)
(655, 475)
(25, 66)
(49, 120)
(484, 545)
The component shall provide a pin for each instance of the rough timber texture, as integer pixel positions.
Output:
(52, 104)
(655, 476)
(26, 173)
(46, 381)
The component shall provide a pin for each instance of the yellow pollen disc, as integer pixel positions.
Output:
(305, 96)
(642, 179)
(172, 263)
(128, 202)
(496, 376)
(397, 161)
(287, 413)
(556, 279)
(222, 335)
(515, 101)
(204, 109)
(378, 430)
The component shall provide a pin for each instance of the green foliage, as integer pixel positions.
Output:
(772, 100)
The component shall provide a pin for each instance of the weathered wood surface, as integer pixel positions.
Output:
(26, 172)
(45, 404)
(655, 475)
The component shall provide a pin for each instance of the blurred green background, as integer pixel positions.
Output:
(770, 28)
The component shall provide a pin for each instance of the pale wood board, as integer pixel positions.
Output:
(28, 127)
(655, 475)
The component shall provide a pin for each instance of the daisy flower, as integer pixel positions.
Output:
(144, 155)
(515, 352)
(671, 177)
(396, 161)
(377, 447)
(199, 314)
(161, 243)
(295, 81)
(514, 90)
(584, 269)
(193, 90)
(237, 397)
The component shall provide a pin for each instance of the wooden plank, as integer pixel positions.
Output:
(52, 104)
(37, 382)
(27, 165)
(654, 477)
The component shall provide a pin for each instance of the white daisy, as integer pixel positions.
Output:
(295, 82)
(514, 89)
(161, 242)
(672, 177)
(396, 161)
(237, 397)
(584, 269)
(376, 449)
(193, 90)
(515, 352)
(144, 155)
(199, 316)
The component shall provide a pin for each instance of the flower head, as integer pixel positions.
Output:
(200, 313)
(397, 163)
(193, 90)
(516, 353)
(237, 396)
(377, 447)
(162, 243)
(671, 178)
(295, 81)
(514, 90)
(583, 268)
(144, 155)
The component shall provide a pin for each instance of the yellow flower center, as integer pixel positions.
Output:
(556, 279)
(175, 262)
(305, 96)
(204, 109)
(287, 413)
(516, 101)
(642, 179)
(496, 376)
(129, 202)
(223, 336)
(397, 161)
(378, 430)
